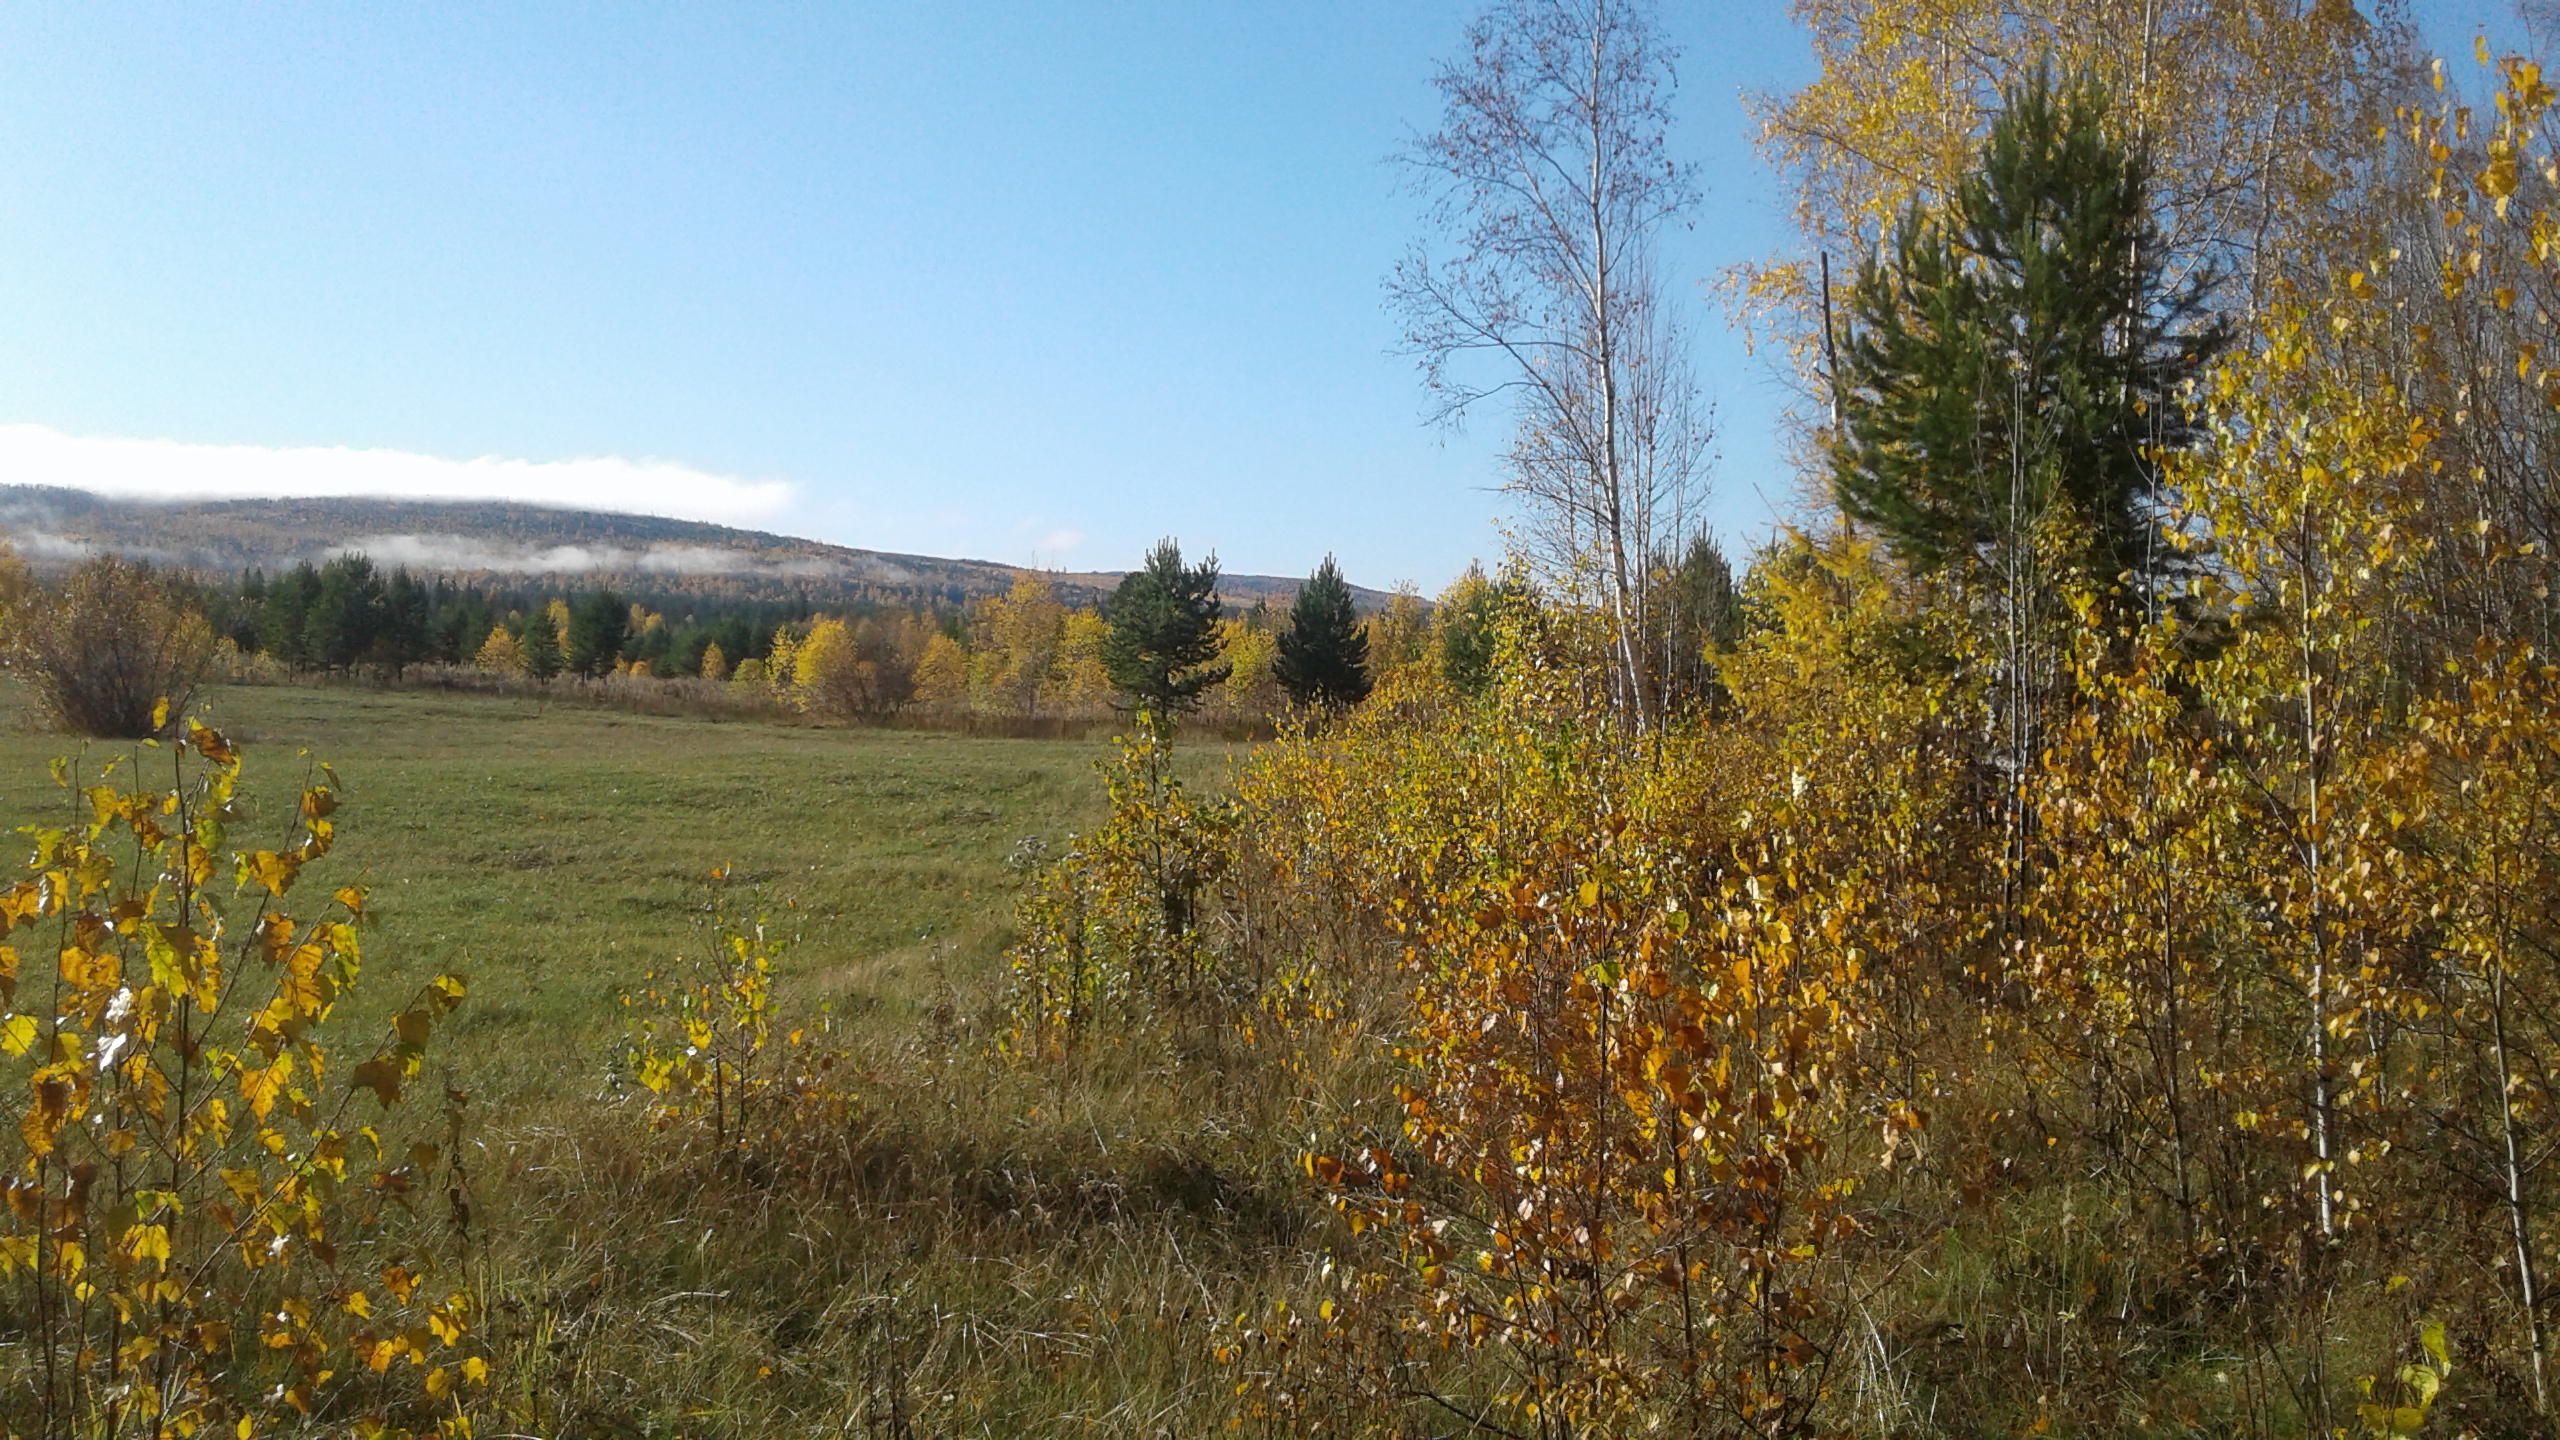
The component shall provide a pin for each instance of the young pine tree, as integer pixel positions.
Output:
(2015, 361)
(597, 629)
(1324, 654)
(1164, 634)
(541, 646)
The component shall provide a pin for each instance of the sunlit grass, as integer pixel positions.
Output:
(555, 854)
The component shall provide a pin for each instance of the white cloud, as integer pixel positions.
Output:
(461, 553)
(172, 470)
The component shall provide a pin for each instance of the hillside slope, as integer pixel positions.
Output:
(515, 544)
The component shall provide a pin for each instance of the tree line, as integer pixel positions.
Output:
(1163, 642)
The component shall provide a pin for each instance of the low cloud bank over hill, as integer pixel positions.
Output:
(54, 528)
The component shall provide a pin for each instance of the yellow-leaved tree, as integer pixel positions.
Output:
(2258, 117)
(1080, 682)
(942, 671)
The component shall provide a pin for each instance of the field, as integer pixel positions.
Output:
(554, 853)
(1002, 1252)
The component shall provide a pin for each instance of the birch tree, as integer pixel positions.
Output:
(1550, 178)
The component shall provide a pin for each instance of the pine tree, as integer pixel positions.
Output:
(597, 629)
(1324, 654)
(405, 635)
(1164, 634)
(540, 645)
(2015, 362)
(1701, 613)
(346, 614)
(284, 616)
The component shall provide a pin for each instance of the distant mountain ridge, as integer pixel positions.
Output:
(515, 544)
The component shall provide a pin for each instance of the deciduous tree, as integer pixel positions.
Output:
(1552, 173)
(117, 652)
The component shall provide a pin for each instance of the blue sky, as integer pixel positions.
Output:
(1032, 283)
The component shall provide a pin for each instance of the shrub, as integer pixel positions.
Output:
(211, 1223)
(115, 642)
(1116, 921)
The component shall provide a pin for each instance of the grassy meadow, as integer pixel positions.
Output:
(988, 1252)
(554, 853)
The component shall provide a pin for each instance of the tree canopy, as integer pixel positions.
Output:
(1324, 654)
(2016, 359)
(597, 629)
(1164, 633)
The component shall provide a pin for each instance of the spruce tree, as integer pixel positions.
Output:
(1324, 654)
(345, 614)
(541, 647)
(597, 629)
(284, 615)
(1164, 634)
(2015, 361)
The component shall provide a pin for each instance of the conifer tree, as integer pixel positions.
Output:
(284, 615)
(541, 647)
(597, 629)
(346, 614)
(1164, 634)
(404, 636)
(1701, 612)
(2014, 362)
(1324, 654)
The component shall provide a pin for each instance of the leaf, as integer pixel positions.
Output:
(148, 1242)
(262, 1088)
(210, 743)
(2423, 1381)
(269, 870)
(17, 1033)
(2431, 1336)
(383, 1078)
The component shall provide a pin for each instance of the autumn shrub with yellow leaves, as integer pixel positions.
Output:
(1118, 924)
(214, 1220)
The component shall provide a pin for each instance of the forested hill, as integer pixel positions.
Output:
(511, 544)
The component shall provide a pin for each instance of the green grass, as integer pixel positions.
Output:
(555, 853)
(974, 1247)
